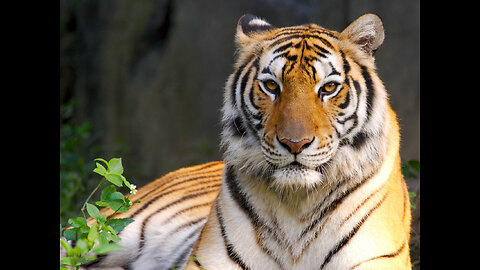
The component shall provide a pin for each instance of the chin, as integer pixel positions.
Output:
(296, 176)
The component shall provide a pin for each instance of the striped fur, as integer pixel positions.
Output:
(311, 175)
(168, 221)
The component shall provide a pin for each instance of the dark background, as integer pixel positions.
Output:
(149, 75)
(143, 80)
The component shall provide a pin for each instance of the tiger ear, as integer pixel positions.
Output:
(367, 32)
(248, 25)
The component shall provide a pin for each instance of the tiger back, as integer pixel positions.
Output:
(310, 177)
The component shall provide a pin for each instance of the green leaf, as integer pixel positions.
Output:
(102, 218)
(82, 244)
(107, 248)
(63, 267)
(85, 259)
(100, 169)
(118, 224)
(107, 192)
(127, 184)
(114, 178)
(406, 172)
(65, 244)
(107, 234)
(101, 204)
(93, 211)
(117, 196)
(70, 234)
(102, 238)
(120, 206)
(72, 261)
(78, 222)
(415, 164)
(93, 233)
(115, 165)
(103, 160)
(76, 251)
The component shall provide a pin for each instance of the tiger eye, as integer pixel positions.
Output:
(271, 84)
(329, 87)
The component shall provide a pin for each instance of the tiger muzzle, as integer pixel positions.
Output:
(295, 147)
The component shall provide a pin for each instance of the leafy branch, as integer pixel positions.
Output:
(101, 237)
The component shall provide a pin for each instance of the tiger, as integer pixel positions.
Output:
(311, 171)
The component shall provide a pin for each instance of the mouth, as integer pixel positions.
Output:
(295, 166)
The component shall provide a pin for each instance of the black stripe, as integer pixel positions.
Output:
(283, 72)
(266, 70)
(285, 54)
(346, 102)
(319, 206)
(250, 95)
(154, 199)
(292, 65)
(188, 209)
(370, 90)
(346, 65)
(282, 48)
(302, 30)
(324, 32)
(238, 127)
(188, 224)
(181, 175)
(230, 250)
(358, 91)
(334, 70)
(303, 36)
(359, 140)
(196, 261)
(145, 221)
(246, 114)
(354, 116)
(361, 204)
(352, 233)
(324, 51)
(314, 70)
(233, 87)
(324, 41)
(239, 196)
(183, 257)
(389, 255)
(335, 203)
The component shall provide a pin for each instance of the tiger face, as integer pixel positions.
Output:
(298, 96)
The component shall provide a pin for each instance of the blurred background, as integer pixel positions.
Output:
(143, 80)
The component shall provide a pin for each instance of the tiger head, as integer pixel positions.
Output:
(304, 103)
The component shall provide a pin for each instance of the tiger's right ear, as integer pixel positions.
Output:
(247, 28)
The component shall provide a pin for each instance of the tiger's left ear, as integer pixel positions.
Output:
(248, 26)
(367, 32)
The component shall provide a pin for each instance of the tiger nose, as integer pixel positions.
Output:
(295, 147)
